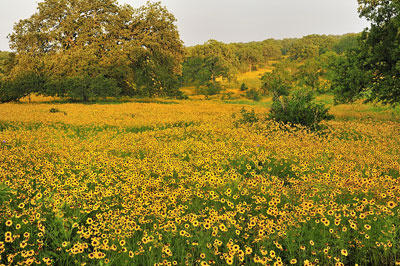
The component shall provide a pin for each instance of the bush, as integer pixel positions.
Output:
(179, 95)
(298, 109)
(212, 88)
(246, 117)
(253, 94)
(243, 87)
(227, 96)
(55, 110)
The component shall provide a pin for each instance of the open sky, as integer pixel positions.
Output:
(230, 20)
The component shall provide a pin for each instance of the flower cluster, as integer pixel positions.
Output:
(153, 184)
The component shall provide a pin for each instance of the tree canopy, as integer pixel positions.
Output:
(205, 63)
(112, 49)
(372, 70)
(279, 81)
(380, 47)
(5, 58)
(84, 49)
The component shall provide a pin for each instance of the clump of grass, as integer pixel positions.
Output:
(55, 110)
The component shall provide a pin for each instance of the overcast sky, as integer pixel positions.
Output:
(230, 20)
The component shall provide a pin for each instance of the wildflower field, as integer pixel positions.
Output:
(192, 183)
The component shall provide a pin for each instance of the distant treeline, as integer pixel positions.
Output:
(207, 62)
(201, 66)
(248, 56)
(101, 49)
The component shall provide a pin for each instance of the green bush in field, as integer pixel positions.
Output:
(253, 94)
(211, 88)
(243, 87)
(246, 117)
(299, 109)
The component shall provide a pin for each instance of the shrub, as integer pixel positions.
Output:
(253, 94)
(181, 96)
(243, 87)
(227, 96)
(299, 109)
(54, 110)
(212, 88)
(178, 94)
(246, 117)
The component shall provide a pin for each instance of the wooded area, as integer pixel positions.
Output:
(85, 50)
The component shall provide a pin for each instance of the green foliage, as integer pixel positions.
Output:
(208, 62)
(21, 86)
(100, 44)
(286, 44)
(249, 55)
(271, 49)
(233, 57)
(253, 94)
(202, 71)
(56, 110)
(245, 117)
(178, 94)
(380, 47)
(194, 70)
(213, 60)
(227, 96)
(299, 109)
(346, 43)
(5, 193)
(205, 64)
(302, 49)
(278, 82)
(324, 43)
(243, 87)
(211, 88)
(160, 82)
(311, 46)
(372, 70)
(4, 59)
(83, 87)
(309, 74)
(349, 79)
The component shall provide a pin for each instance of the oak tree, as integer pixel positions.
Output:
(372, 70)
(111, 49)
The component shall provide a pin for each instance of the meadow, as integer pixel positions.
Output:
(192, 183)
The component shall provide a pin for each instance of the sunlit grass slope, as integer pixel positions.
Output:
(251, 79)
(185, 184)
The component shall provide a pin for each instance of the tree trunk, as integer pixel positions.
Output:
(85, 98)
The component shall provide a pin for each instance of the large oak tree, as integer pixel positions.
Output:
(208, 62)
(107, 48)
